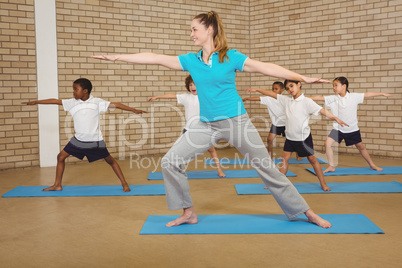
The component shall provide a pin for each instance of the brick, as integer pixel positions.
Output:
(359, 41)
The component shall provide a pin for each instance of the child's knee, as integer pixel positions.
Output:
(285, 159)
(326, 144)
(61, 157)
(312, 159)
(110, 160)
(360, 146)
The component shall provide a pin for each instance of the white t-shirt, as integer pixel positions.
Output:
(86, 117)
(275, 110)
(297, 113)
(345, 108)
(191, 107)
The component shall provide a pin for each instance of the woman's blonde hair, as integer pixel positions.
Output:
(221, 45)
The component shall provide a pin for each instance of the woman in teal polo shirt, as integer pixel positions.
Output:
(222, 116)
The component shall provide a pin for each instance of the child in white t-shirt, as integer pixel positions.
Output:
(276, 113)
(88, 140)
(297, 110)
(344, 105)
(192, 113)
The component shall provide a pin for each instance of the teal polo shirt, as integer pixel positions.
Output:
(215, 83)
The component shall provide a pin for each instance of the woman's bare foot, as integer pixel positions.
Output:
(221, 174)
(329, 169)
(189, 217)
(376, 168)
(53, 188)
(126, 188)
(314, 218)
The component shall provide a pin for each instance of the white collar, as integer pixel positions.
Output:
(90, 98)
(300, 98)
(347, 95)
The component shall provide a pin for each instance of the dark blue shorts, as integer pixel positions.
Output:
(93, 150)
(303, 148)
(350, 138)
(277, 130)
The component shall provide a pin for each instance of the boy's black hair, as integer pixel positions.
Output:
(279, 83)
(344, 81)
(291, 81)
(85, 84)
(188, 81)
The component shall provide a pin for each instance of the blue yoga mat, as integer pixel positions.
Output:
(343, 171)
(213, 174)
(87, 190)
(226, 161)
(336, 188)
(261, 224)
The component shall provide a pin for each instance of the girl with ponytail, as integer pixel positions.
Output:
(222, 117)
(344, 105)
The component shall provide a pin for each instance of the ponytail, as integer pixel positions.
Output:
(221, 45)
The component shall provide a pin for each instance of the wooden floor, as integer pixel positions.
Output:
(104, 231)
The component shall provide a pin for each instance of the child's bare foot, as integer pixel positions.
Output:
(53, 188)
(126, 188)
(329, 169)
(189, 217)
(221, 174)
(314, 218)
(376, 168)
(299, 158)
(325, 187)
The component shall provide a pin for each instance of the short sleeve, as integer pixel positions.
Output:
(282, 99)
(237, 59)
(102, 104)
(185, 60)
(266, 100)
(313, 107)
(181, 98)
(359, 97)
(263, 100)
(68, 104)
(329, 99)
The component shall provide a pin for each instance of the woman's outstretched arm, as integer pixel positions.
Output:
(171, 62)
(271, 69)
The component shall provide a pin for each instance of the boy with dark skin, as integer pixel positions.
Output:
(89, 144)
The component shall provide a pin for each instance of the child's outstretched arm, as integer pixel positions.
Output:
(271, 69)
(328, 114)
(171, 62)
(376, 94)
(251, 99)
(167, 96)
(317, 98)
(121, 106)
(265, 92)
(46, 101)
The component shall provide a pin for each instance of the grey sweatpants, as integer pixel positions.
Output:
(241, 133)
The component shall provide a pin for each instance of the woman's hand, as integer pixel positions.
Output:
(105, 57)
(312, 80)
